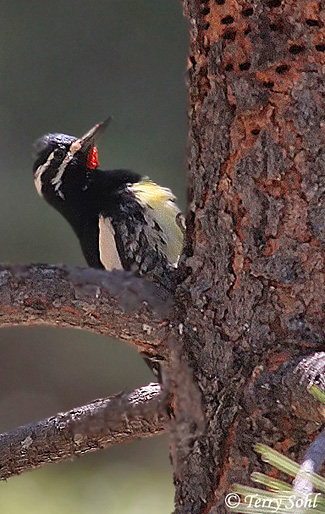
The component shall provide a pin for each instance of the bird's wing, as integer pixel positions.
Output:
(146, 235)
(163, 215)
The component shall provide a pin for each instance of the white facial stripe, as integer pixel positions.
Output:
(57, 180)
(76, 145)
(39, 172)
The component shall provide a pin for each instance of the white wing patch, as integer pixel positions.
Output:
(161, 211)
(107, 247)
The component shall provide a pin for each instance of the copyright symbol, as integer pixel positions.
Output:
(232, 500)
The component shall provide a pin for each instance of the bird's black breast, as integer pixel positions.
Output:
(89, 240)
(104, 197)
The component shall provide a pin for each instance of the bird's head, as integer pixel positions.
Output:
(64, 163)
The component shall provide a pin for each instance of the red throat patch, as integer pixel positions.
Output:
(92, 161)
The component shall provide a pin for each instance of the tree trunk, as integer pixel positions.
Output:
(251, 301)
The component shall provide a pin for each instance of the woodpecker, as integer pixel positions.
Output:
(123, 220)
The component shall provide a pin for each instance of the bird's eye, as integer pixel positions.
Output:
(59, 154)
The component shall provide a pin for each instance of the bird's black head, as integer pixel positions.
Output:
(63, 165)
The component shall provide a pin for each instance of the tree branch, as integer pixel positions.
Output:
(100, 424)
(286, 391)
(117, 304)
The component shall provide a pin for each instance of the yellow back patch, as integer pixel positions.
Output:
(160, 208)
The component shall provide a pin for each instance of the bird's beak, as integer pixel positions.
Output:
(88, 141)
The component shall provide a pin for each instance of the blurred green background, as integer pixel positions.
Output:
(64, 66)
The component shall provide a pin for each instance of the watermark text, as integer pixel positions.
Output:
(284, 503)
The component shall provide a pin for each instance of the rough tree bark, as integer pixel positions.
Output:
(99, 424)
(253, 296)
(244, 334)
